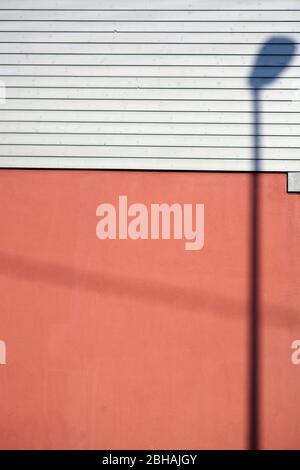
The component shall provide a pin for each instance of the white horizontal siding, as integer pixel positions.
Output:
(142, 48)
(165, 82)
(161, 163)
(155, 26)
(139, 61)
(141, 129)
(170, 152)
(103, 139)
(150, 105)
(155, 4)
(143, 116)
(148, 15)
(145, 93)
(142, 37)
(139, 84)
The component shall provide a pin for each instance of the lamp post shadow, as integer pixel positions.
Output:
(267, 67)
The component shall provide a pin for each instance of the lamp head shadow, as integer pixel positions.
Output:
(269, 64)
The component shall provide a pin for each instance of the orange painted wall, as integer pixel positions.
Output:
(141, 344)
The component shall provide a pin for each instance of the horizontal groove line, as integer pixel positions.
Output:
(138, 42)
(148, 133)
(143, 65)
(141, 53)
(139, 111)
(144, 32)
(146, 21)
(145, 9)
(153, 99)
(134, 76)
(151, 158)
(142, 88)
(151, 122)
(150, 146)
